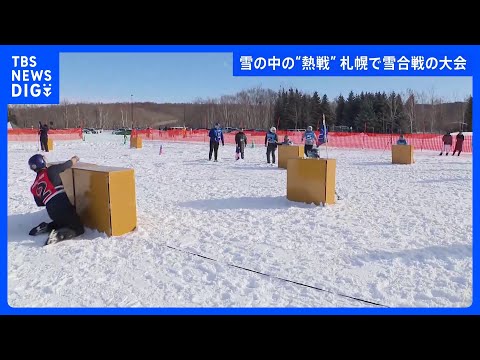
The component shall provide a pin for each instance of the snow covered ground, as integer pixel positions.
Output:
(223, 235)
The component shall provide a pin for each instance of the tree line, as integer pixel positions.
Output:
(377, 112)
(259, 108)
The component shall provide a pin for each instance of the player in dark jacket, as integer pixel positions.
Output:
(241, 142)
(271, 142)
(447, 143)
(216, 135)
(43, 132)
(459, 143)
(48, 191)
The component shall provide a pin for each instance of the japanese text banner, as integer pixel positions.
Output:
(355, 61)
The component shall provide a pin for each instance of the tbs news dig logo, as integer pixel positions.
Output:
(27, 81)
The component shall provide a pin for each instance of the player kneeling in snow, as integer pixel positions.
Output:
(48, 191)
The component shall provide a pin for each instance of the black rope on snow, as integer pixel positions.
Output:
(280, 278)
(310, 286)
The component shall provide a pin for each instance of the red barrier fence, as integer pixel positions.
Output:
(32, 134)
(335, 139)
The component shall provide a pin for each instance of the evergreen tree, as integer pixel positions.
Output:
(468, 114)
(392, 111)
(401, 120)
(292, 109)
(305, 111)
(340, 111)
(327, 110)
(381, 108)
(374, 122)
(316, 113)
(352, 109)
(366, 116)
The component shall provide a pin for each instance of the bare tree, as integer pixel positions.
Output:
(410, 108)
(269, 103)
(124, 118)
(433, 110)
(392, 104)
(421, 115)
(441, 115)
(226, 103)
(27, 116)
(460, 113)
(65, 104)
(78, 116)
(98, 116)
(210, 115)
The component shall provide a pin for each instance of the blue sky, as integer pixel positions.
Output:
(185, 77)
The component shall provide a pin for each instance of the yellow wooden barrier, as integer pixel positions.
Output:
(402, 154)
(50, 144)
(136, 142)
(311, 180)
(286, 152)
(104, 197)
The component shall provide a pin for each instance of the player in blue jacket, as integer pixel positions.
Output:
(271, 142)
(401, 140)
(216, 135)
(310, 140)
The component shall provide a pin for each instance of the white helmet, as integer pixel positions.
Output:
(309, 128)
(273, 129)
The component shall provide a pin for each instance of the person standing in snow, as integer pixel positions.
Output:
(43, 133)
(458, 143)
(241, 142)
(447, 143)
(271, 142)
(216, 135)
(310, 140)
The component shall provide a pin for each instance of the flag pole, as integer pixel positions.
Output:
(326, 145)
(319, 132)
(325, 135)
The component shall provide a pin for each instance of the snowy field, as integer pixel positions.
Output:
(223, 235)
